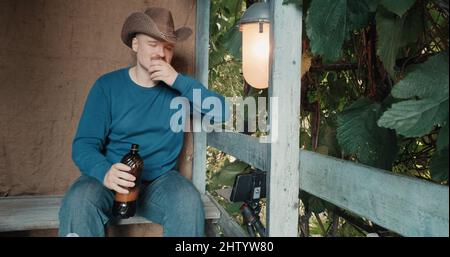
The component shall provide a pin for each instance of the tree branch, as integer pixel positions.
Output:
(319, 221)
(333, 67)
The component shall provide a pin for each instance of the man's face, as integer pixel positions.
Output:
(148, 48)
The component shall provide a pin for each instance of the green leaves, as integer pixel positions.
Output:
(329, 22)
(230, 6)
(439, 166)
(358, 134)
(225, 37)
(395, 32)
(442, 141)
(326, 27)
(233, 42)
(414, 118)
(228, 172)
(398, 7)
(428, 85)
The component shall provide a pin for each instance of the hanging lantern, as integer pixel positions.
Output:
(255, 28)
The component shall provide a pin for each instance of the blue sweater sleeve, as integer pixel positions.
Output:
(89, 140)
(186, 86)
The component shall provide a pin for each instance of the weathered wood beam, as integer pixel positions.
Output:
(20, 213)
(248, 148)
(201, 72)
(406, 205)
(283, 188)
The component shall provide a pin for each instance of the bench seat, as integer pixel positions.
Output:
(19, 213)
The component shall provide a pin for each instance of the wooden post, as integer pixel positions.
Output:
(187, 152)
(283, 182)
(201, 72)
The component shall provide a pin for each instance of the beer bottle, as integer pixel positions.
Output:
(125, 204)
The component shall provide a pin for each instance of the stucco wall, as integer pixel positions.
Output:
(51, 52)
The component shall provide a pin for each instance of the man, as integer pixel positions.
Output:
(132, 106)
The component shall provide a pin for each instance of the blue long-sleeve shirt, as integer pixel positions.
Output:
(118, 113)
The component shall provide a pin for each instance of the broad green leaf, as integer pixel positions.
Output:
(231, 5)
(394, 33)
(430, 84)
(415, 118)
(442, 141)
(326, 27)
(359, 134)
(217, 57)
(398, 7)
(228, 172)
(439, 166)
(426, 80)
(358, 12)
(329, 23)
(233, 42)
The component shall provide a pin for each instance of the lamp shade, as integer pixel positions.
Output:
(255, 54)
(255, 27)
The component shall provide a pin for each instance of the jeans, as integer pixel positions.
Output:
(171, 200)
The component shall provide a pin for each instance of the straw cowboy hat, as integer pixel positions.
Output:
(154, 22)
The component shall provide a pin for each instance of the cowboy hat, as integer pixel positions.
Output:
(154, 22)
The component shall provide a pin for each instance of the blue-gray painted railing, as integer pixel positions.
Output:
(201, 72)
(406, 205)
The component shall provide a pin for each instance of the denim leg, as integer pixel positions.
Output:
(85, 208)
(173, 201)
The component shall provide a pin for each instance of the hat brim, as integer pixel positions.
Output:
(183, 33)
(140, 23)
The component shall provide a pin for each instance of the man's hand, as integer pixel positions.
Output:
(117, 178)
(163, 71)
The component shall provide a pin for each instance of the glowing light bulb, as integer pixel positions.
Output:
(255, 54)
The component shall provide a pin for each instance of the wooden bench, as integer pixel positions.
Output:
(41, 212)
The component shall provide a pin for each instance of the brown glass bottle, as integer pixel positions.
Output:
(125, 204)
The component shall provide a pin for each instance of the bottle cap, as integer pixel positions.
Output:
(135, 147)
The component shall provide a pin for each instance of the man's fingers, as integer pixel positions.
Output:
(158, 62)
(122, 167)
(126, 176)
(119, 189)
(154, 68)
(123, 183)
(156, 75)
